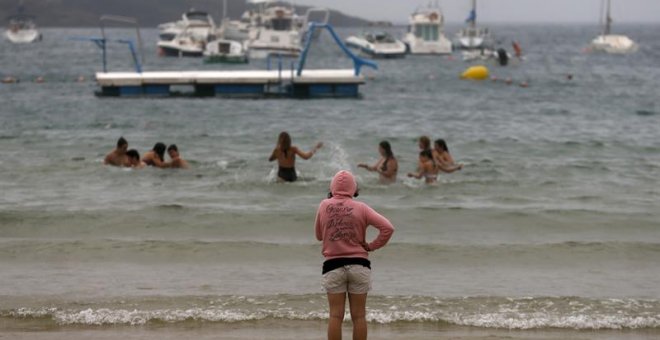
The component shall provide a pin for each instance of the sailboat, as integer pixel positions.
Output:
(223, 50)
(22, 29)
(473, 37)
(612, 43)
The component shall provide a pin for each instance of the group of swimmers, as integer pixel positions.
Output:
(121, 156)
(431, 161)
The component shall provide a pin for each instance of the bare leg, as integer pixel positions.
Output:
(358, 304)
(337, 304)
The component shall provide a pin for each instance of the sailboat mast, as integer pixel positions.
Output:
(608, 19)
(473, 24)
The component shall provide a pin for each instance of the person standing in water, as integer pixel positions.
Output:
(341, 225)
(443, 159)
(117, 157)
(426, 168)
(424, 143)
(387, 167)
(156, 156)
(177, 162)
(285, 154)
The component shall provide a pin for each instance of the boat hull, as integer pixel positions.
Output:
(395, 51)
(226, 59)
(614, 44)
(23, 36)
(175, 51)
(417, 46)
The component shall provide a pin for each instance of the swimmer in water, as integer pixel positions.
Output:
(156, 156)
(426, 168)
(117, 157)
(387, 167)
(424, 143)
(134, 159)
(443, 159)
(177, 162)
(285, 154)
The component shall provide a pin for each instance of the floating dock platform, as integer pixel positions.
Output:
(242, 84)
(284, 82)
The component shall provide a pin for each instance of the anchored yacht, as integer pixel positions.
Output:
(426, 33)
(612, 43)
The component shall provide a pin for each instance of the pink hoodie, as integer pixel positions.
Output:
(341, 222)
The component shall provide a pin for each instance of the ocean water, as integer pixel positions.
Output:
(554, 222)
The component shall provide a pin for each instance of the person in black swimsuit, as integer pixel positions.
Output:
(285, 154)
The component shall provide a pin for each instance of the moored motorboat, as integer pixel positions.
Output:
(273, 31)
(225, 51)
(188, 36)
(21, 28)
(378, 45)
(426, 33)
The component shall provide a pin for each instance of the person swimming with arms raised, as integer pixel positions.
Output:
(285, 154)
(117, 157)
(156, 156)
(426, 168)
(387, 167)
(177, 162)
(443, 159)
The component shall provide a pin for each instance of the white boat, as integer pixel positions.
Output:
(473, 37)
(238, 30)
(273, 31)
(225, 51)
(378, 45)
(22, 29)
(188, 36)
(612, 43)
(426, 33)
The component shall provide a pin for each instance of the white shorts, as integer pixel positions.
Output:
(354, 278)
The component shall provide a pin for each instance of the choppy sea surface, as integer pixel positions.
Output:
(554, 222)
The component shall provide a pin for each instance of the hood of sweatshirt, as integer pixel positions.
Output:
(343, 184)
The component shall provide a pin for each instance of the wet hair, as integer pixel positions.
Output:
(134, 154)
(172, 147)
(121, 142)
(428, 154)
(425, 141)
(388, 153)
(284, 141)
(442, 144)
(159, 149)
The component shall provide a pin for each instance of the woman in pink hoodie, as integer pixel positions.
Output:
(341, 224)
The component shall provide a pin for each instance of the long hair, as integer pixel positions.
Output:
(159, 149)
(442, 144)
(388, 153)
(428, 154)
(425, 141)
(284, 141)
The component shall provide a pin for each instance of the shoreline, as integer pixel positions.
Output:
(287, 329)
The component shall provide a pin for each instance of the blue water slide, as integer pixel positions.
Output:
(357, 61)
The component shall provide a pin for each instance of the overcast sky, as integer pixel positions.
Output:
(546, 11)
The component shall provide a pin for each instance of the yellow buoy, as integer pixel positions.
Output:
(476, 73)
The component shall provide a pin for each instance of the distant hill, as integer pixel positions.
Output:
(150, 13)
